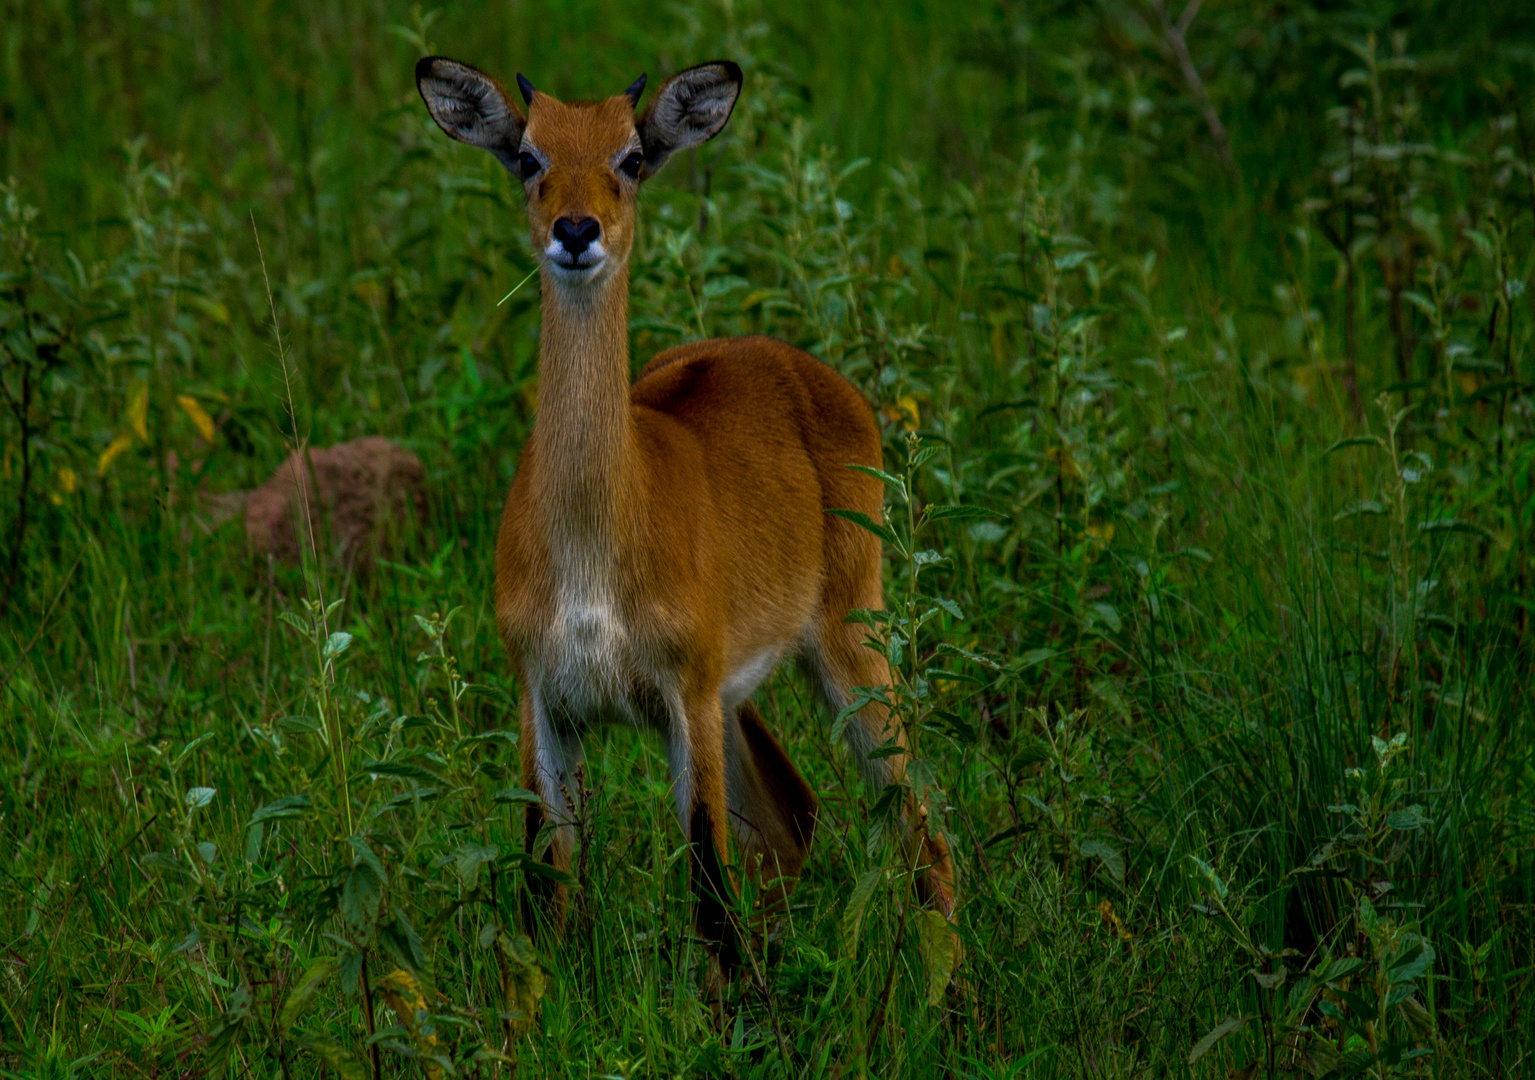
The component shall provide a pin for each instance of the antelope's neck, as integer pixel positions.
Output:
(584, 431)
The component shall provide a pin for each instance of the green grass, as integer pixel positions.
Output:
(1236, 721)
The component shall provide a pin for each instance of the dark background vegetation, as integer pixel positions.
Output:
(1228, 697)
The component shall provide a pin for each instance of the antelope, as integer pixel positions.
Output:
(665, 543)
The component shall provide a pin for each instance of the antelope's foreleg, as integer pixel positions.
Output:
(548, 765)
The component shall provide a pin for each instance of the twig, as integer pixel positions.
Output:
(367, 1012)
(1175, 41)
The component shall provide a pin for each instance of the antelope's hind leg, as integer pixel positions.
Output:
(695, 750)
(772, 808)
(838, 661)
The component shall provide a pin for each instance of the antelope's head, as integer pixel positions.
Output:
(582, 163)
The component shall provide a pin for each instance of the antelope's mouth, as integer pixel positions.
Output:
(576, 265)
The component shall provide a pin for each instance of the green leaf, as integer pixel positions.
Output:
(401, 940)
(508, 737)
(365, 856)
(857, 904)
(961, 513)
(950, 606)
(304, 990)
(1415, 968)
(1220, 1031)
(468, 860)
(1369, 921)
(404, 770)
(1341, 968)
(864, 521)
(1108, 614)
(940, 950)
(1360, 508)
(336, 644)
(199, 797)
(1454, 525)
(540, 869)
(1211, 876)
(1032, 657)
(360, 896)
(516, 795)
(340, 1060)
(893, 482)
(299, 725)
(1408, 819)
(1113, 861)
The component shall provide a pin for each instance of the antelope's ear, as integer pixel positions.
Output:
(471, 106)
(690, 108)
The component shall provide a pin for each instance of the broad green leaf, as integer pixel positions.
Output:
(1454, 525)
(950, 606)
(289, 806)
(1416, 967)
(857, 904)
(304, 990)
(893, 482)
(404, 770)
(468, 860)
(1356, 440)
(1407, 819)
(864, 521)
(336, 1057)
(338, 643)
(299, 725)
(961, 513)
(199, 797)
(516, 795)
(360, 896)
(1113, 861)
(366, 856)
(1216, 1034)
(1360, 508)
(1211, 876)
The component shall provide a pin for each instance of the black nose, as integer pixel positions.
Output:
(577, 236)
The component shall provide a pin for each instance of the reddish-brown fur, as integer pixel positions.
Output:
(665, 544)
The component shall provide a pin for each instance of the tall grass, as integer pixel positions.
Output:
(1223, 683)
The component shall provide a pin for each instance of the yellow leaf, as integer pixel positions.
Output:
(1468, 382)
(371, 293)
(905, 412)
(403, 994)
(138, 411)
(1102, 531)
(1062, 457)
(117, 446)
(198, 415)
(522, 980)
(67, 481)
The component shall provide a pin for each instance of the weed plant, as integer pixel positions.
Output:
(1210, 533)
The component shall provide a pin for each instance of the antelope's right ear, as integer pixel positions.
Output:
(471, 107)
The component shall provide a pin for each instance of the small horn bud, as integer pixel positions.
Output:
(636, 88)
(526, 88)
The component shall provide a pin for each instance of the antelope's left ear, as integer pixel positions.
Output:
(690, 109)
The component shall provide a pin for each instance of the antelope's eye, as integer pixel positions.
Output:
(632, 164)
(529, 165)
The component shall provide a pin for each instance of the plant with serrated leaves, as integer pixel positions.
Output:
(1357, 1006)
(921, 702)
